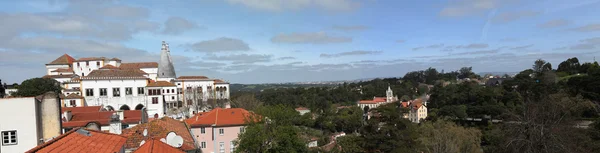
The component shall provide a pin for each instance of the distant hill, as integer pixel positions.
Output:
(497, 73)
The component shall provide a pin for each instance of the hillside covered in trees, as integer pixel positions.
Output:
(540, 108)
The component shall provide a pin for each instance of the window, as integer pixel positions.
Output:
(140, 90)
(116, 92)
(78, 64)
(203, 144)
(154, 91)
(178, 84)
(168, 91)
(199, 89)
(172, 90)
(72, 102)
(154, 100)
(103, 92)
(128, 91)
(87, 63)
(222, 147)
(9, 138)
(221, 131)
(89, 92)
(202, 130)
(172, 97)
(97, 63)
(189, 102)
(179, 90)
(242, 129)
(232, 146)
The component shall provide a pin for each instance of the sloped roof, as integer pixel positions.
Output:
(160, 84)
(115, 74)
(63, 70)
(156, 146)
(115, 59)
(81, 109)
(192, 77)
(374, 101)
(73, 96)
(62, 60)
(219, 117)
(81, 119)
(138, 65)
(219, 81)
(108, 66)
(80, 140)
(159, 128)
(91, 59)
(59, 76)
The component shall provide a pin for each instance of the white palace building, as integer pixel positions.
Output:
(107, 82)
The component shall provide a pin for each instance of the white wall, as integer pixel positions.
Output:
(204, 84)
(50, 68)
(116, 102)
(82, 68)
(19, 114)
(152, 72)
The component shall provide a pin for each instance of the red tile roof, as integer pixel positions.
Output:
(62, 60)
(59, 76)
(108, 66)
(417, 103)
(91, 59)
(219, 117)
(73, 96)
(63, 70)
(80, 140)
(219, 81)
(81, 119)
(159, 128)
(404, 104)
(82, 109)
(156, 146)
(115, 74)
(191, 77)
(374, 101)
(138, 65)
(160, 84)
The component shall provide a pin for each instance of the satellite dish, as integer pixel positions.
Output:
(142, 143)
(176, 142)
(145, 132)
(170, 136)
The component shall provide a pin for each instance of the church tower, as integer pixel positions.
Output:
(389, 94)
(166, 71)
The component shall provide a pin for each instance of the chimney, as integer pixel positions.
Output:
(115, 123)
(120, 113)
(67, 115)
(227, 105)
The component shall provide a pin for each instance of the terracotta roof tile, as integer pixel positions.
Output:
(108, 66)
(63, 70)
(191, 77)
(159, 128)
(81, 119)
(60, 76)
(73, 96)
(82, 109)
(139, 65)
(219, 81)
(160, 84)
(62, 60)
(374, 101)
(219, 117)
(91, 59)
(80, 140)
(115, 74)
(156, 146)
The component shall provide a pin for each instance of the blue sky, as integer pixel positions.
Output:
(265, 41)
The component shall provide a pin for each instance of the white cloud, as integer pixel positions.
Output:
(219, 45)
(513, 16)
(553, 23)
(350, 53)
(468, 7)
(240, 58)
(177, 25)
(292, 5)
(588, 28)
(309, 38)
(351, 28)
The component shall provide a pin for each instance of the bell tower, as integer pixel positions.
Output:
(389, 94)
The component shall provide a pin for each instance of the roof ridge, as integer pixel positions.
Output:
(217, 116)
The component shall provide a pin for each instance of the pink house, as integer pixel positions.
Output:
(216, 130)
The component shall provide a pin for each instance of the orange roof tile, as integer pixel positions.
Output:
(156, 146)
(82, 109)
(108, 66)
(59, 76)
(91, 59)
(219, 117)
(191, 77)
(160, 84)
(404, 104)
(81, 119)
(63, 70)
(138, 65)
(159, 128)
(219, 81)
(79, 140)
(115, 74)
(374, 101)
(73, 96)
(62, 60)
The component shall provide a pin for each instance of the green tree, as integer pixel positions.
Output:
(271, 131)
(246, 101)
(570, 66)
(348, 120)
(446, 137)
(350, 144)
(38, 86)
(389, 132)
